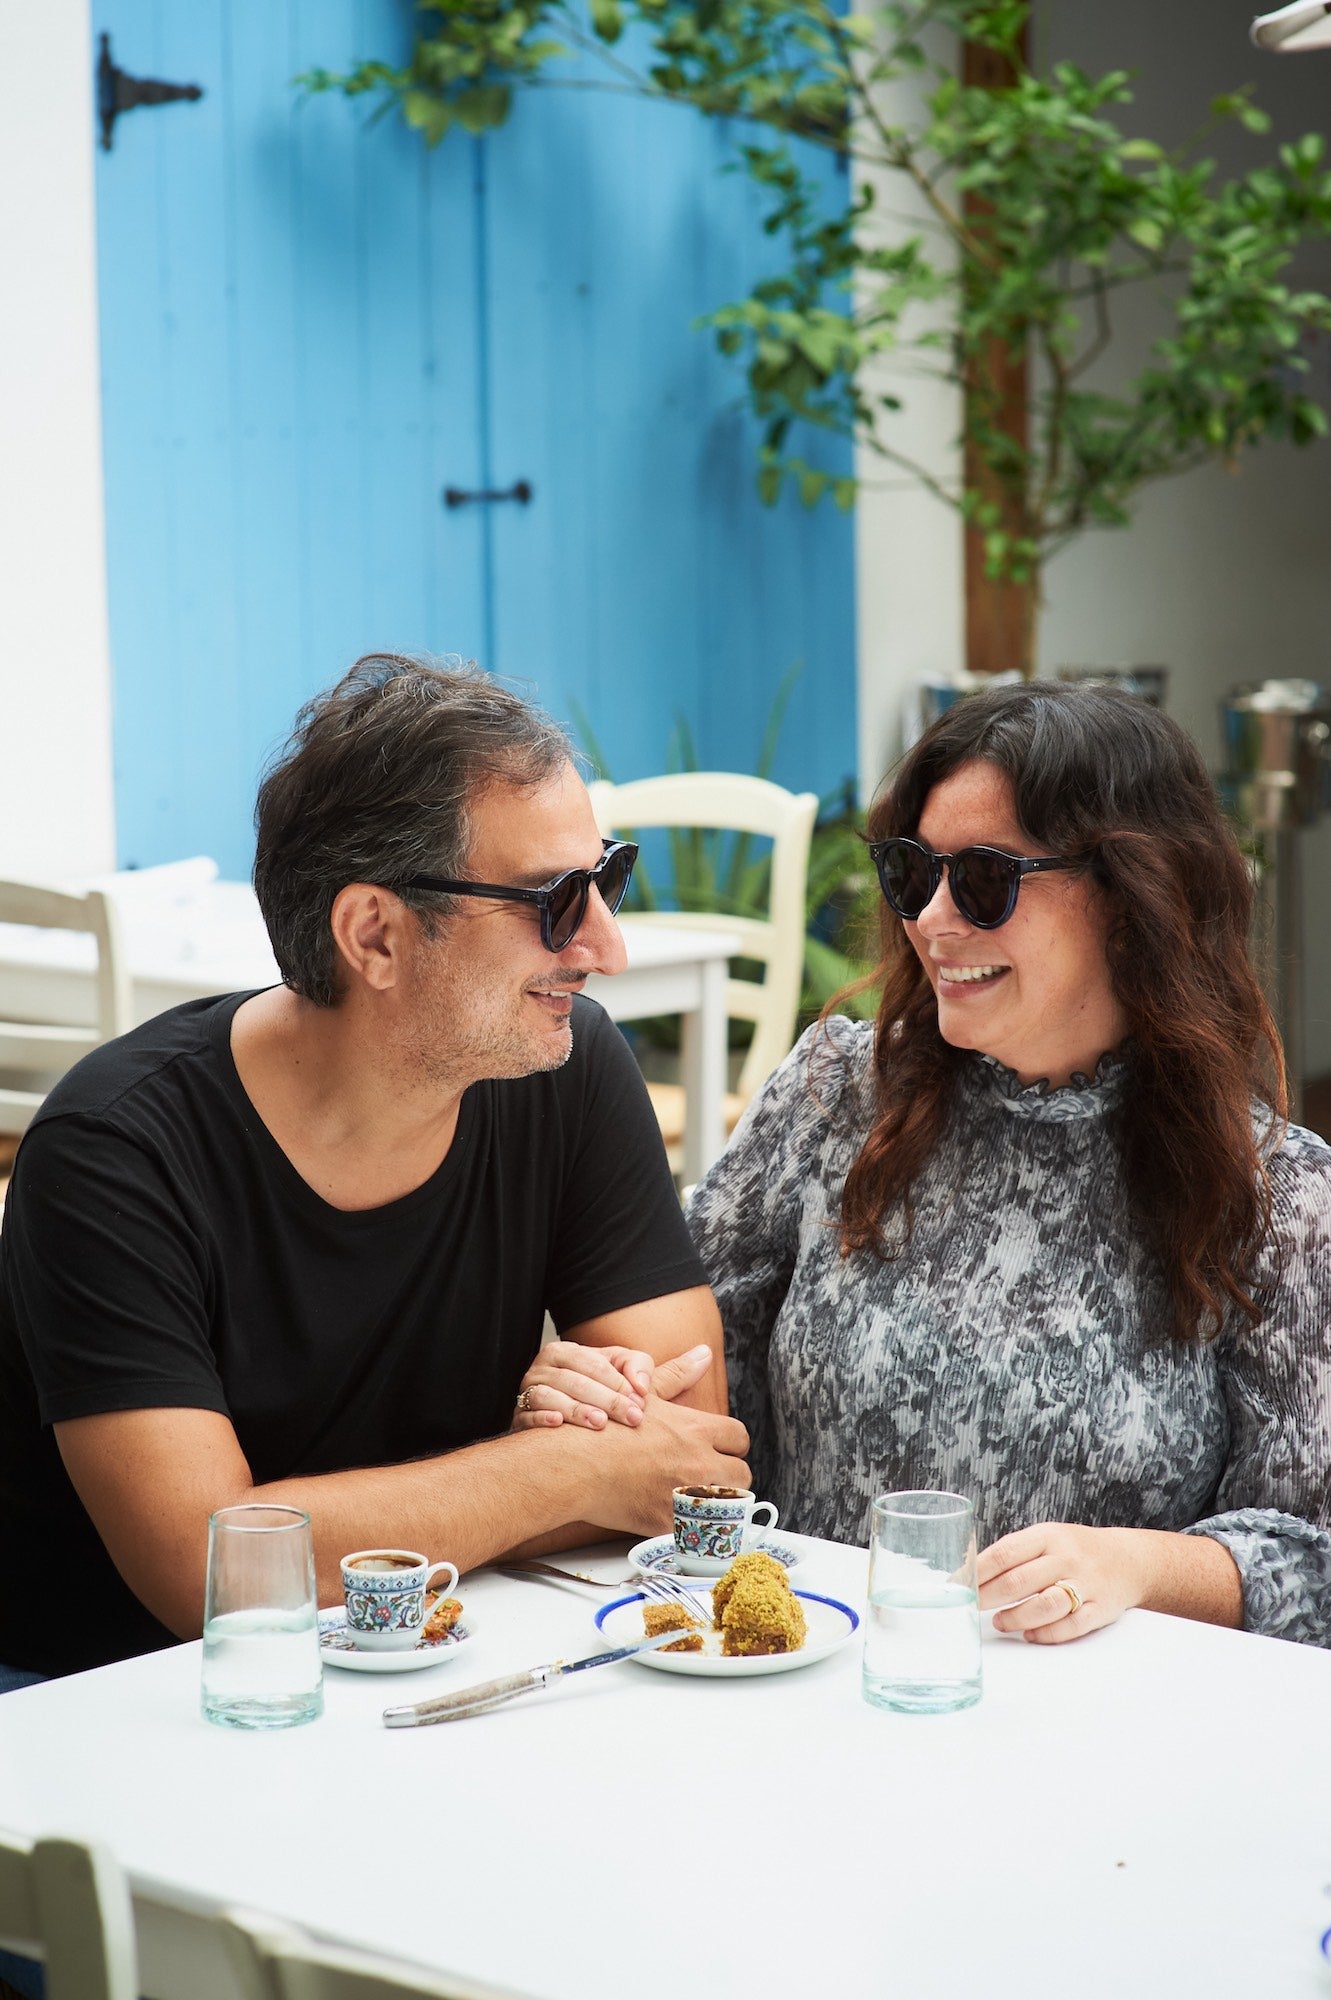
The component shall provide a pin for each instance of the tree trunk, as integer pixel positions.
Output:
(1000, 616)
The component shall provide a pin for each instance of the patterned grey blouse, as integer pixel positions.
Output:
(1013, 1352)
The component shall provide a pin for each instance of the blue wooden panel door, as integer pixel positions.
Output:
(311, 326)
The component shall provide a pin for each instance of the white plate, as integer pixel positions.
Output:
(660, 1554)
(830, 1623)
(338, 1651)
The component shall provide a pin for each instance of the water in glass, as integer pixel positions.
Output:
(262, 1668)
(922, 1632)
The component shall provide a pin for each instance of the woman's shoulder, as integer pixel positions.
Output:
(1298, 1163)
(823, 1086)
(831, 1065)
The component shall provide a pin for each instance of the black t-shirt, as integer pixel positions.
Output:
(159, 1250)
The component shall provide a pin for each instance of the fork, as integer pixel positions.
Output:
(658, 1588)
(524, 1566)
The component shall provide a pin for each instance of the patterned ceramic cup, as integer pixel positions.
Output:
(385, 1593)
(714, 1524)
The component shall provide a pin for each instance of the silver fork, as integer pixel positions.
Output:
(525, 1566)
(658, 1588)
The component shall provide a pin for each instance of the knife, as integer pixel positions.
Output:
(493, 1694)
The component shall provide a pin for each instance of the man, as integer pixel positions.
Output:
(297, 1245)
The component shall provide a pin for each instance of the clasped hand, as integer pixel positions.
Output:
(594, 1386)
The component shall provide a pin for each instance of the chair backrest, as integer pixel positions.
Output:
(37, 1052)
(731, 801)
(66, 1902)
(273, 1961)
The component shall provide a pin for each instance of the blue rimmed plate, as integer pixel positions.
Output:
(660, 1553)
(340, 1650)
(830, 1623)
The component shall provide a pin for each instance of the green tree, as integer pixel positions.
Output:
(1039, 213)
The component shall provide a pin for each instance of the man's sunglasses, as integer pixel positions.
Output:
(562, 903)
(983, 881)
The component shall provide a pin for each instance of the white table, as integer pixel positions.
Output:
(1146, 1812)
(188, 935)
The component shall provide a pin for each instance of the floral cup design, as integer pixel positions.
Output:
(713, 1525)
(385, 1593)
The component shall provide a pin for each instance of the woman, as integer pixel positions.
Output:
(1040, 1234)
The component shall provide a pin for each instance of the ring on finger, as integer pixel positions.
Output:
(1074, 1596)
(524, 1401)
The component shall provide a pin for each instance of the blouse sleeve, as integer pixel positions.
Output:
(1274, 1501)
(745, 1217)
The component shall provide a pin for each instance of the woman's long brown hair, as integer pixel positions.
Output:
(1104, 778)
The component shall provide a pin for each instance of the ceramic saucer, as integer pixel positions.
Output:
(830, 1624)
(339, 1650)
(660, 1554)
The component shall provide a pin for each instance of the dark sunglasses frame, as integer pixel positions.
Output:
(1014, 869)
(576, 882)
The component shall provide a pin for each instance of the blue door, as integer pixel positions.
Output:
(312, 327)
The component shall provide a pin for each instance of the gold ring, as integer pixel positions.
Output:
(524, 1400)
(1074, 1596)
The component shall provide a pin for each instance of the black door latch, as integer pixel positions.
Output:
(458, 496)
(118, 92)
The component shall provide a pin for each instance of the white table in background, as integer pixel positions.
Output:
(1146, 1812)
(207, 936)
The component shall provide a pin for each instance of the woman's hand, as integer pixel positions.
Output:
(594, 1386)
(1060, 1581)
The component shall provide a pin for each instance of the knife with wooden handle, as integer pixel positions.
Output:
(493, 1694)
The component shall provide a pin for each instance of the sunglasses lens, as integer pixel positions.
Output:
(612, 877)
(567, 907)
(906, 876)
(983, 886)
(568, 899)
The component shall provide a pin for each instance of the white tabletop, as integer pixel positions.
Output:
(1145, 1812)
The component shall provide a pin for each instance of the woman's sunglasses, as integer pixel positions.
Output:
(983, 881)
(563, 902)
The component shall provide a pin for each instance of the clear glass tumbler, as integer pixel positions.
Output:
(922, 1632)
(262, 1668)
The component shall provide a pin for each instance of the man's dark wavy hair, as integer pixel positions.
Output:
(1102, 777)
(376, 785)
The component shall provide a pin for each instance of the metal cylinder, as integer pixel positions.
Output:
(1275, 783)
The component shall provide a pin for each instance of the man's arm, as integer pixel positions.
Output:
(150, 1478)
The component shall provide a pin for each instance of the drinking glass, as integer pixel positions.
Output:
(922, 1634)
(262, 1668)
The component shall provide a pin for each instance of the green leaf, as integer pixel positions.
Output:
(607, 19)
(430, 116)
(769, 484)
(482, 107)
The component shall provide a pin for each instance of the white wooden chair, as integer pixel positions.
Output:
(729, 800)
(36, 1052)
(273, 1961)
(67, 1903)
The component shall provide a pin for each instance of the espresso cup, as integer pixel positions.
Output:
(714, 1524)
(385, 1593)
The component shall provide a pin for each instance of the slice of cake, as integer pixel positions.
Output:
(673, 1618)
(755, 1609)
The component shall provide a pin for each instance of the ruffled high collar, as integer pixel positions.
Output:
(1083, 1097)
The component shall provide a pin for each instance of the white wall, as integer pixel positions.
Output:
(56, 816)
(1222, 576)
(910, 576)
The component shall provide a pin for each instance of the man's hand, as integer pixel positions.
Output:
(1109, 1570)
(634, 1472)
(574, 1384)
